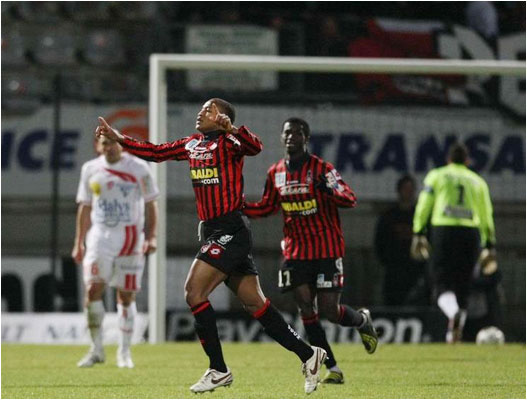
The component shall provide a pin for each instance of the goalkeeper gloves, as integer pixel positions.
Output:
(487, 261)
(420, 248)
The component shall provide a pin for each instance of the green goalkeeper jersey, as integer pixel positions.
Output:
(454, 195)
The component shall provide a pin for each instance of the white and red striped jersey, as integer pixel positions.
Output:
(117, 192)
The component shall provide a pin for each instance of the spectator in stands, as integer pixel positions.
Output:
(326, 40)
(393, 237)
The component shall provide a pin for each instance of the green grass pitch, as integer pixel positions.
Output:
(264, 370)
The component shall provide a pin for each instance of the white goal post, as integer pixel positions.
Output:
(157, 111)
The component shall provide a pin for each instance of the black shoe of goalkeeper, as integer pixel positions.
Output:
(367, 332)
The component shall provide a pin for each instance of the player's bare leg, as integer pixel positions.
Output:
(202, 279)
(305, 298)
(248, 290)
(126, 312)
(94, 311)
(330, 308)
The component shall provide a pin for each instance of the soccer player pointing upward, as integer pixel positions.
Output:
(215, 156)
(309, 191)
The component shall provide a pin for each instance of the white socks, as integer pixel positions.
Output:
(94, 315)
(126, 317)
(447, 302)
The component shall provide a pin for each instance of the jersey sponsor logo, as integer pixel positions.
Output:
(205, 176)
(279, 179)
(201, 156)
(305, 207)
(294, 189)
(458, 212)
(111, 212)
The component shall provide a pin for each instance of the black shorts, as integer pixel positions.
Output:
(455, 251)
(325, 274)
(227, 244)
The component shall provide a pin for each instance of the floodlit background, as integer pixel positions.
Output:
(65, 63)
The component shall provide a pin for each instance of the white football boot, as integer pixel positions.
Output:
(124, 359)
(93, 357)
(211, 380)
(311, 369)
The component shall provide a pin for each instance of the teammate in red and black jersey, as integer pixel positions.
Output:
(215, 156)
(309, 191)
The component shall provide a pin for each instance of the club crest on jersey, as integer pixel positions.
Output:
(109, 185)
(309, 177)
(279, 179)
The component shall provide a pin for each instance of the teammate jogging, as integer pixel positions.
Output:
(309, 191)
(215, 155)
(115, 191)
(456, 202)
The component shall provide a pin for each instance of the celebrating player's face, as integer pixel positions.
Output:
(294, 138)
(110, 149)
(205, 120)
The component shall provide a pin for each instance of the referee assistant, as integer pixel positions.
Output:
(456, 202)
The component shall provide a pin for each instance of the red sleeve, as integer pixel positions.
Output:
(269, 204)
(341, 194)
(157, 152)
(245, 142)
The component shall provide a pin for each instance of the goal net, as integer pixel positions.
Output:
(371, 145)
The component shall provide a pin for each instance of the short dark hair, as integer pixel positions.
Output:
(402, 180)
(299, 121)
(225, 107)
(458, 153)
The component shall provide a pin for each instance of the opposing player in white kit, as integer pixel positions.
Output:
(116, 194)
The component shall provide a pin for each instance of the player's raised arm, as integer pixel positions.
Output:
(143, 149)
(104, 129)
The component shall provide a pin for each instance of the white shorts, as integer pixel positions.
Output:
(114, 257)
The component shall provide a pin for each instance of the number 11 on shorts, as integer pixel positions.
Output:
(284, 275)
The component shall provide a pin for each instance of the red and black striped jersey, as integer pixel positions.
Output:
(309, 198)
(216, 163)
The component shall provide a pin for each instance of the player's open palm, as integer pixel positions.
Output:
(104, 129)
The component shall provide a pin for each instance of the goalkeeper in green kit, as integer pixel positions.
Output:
(456, 202)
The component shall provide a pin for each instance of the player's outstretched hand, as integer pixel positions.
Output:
(104, 129)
